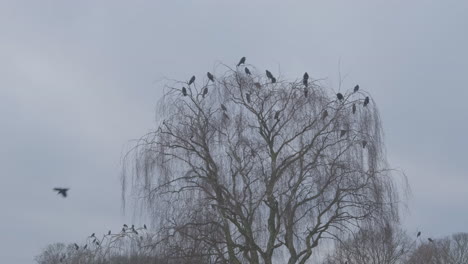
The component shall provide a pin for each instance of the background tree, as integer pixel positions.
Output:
(382, 243)
(449, 250)
(248, 169)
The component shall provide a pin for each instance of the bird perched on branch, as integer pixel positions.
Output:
(419, 234)
(247, 71)
(76, 246)
(342, 133)
(62, 191)
(270, 76)
(205, 92)
(191, 80)
(356, 88)
(242, 61)
(184, 91)
(366, 101)
(277, 114)
(364, 144)
(430, 240)
(144, 226)
(108, 233)
(305, 79)
(210, 76)
(339, 96)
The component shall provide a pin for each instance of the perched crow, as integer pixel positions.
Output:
(210, 76)
(125, 225)
(184, 91)
(223, 107)
(76, 246)
(356, 88)
(62, 191)
(366, 101)
(247, 96)
(419, 233)
(92, 235)
(144, 226)
(97, 243)
(339, 96)
(258, 85)
(242, 61)
(108, 233)
(364, 144)
(205, 91)
(354, 108)
(94, 241)
(269, 75)
(191, 80)
(306, 92)
(430, 240)
(325, 114)
(342, 133)
(277, 115)
(305, 80)
(247, 71)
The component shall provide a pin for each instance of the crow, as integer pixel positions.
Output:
(305, 79)
(269, 75)
(419, 233)
(144, 226)
(125, 225)
(242, 61)
(430, 240)
(184, 91)
(108, 233)
(76, 246)
(191, 80)
(356, 88)
(205, 92)
(339, 96)
(62, 191)
(210, 76)
(366, 101)
(223, 107)
(247, 71)
(354, 108)
(92, 235)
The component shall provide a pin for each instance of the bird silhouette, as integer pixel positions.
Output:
(144, 226)
(356, 88)
(223, 107)
(94, 241)
(364, 144)
(205, 92)
(269, 75)
(76, 246)
(342, 133)
(277, 114)
(97, 243)
(92, 235)
(305, 79)
(247, 96)
(430, 240)
(242, 61)
(191, 80)
(258, 85)
(354, 108)
(366, 101)
(339, 96)
(184, 91)
(247, 71)
(62, 191)
(325, 114)
(108, 233)
(210, 76)
(125, 225)
(419, 233)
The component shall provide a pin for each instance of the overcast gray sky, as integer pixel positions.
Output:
(79, 79)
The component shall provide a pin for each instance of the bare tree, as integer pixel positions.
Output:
(379, 243)
(248, 170)
(449, 250)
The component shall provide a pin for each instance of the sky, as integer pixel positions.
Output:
(80, 79)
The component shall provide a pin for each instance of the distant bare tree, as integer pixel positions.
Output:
(246, 169)
(374, 244)
(450, 250)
